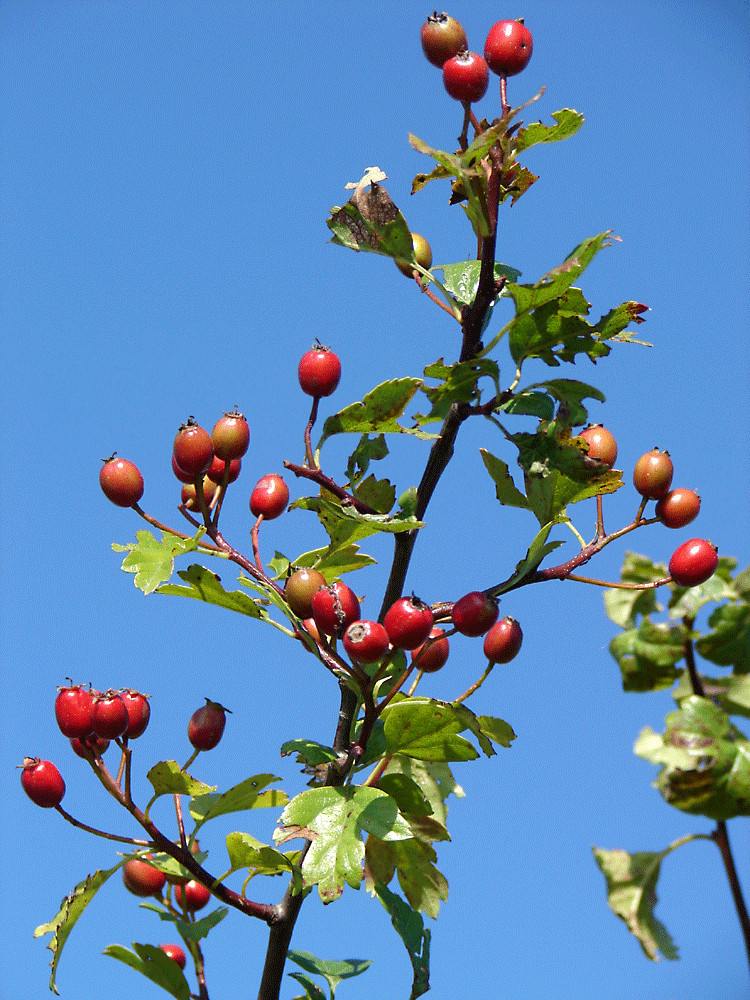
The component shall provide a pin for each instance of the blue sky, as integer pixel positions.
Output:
(167, 169)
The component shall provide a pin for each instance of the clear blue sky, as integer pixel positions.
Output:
(167, 168)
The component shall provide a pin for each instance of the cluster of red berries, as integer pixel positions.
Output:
(466, 75)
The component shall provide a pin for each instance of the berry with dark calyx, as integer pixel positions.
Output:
(678, 508)
(433, 653)
(693, 562)
(139, 712)
(176, 953)
(73, 710)
(230, 436)
(475, 613)
(466, 77)
(109, 716)
(95, 744)
(141, 878)
(422, 253)
(442, 38)
(206, 725)
(508, 47)
(652, 475)
(193, 448)
(121, 481)
(189, 498)
(270, 497)
(334, 608)
(42, 782)
(408, 622)
(503, 641)
(300, 589)
(366, 642)
(319, 371)
(218, 466)
(192, 896)
(602, 445)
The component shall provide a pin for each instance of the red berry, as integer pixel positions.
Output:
(693, 562)
(678, 508)
(206, 725)
(334, 608)
(174, 952)
(42, 782)
(94, 743)
(192, 896)
(432, 654)
(319, 371)
(442, 38)
(141, 878)
(508, 47)
(300, 589)
(109, 716)
(139, 712)
(602, 444)
(230, 436)
(366, 642)
(73, 710)
(475, 613)
(652, 475)
(466, 76)
(216, 472)
(408, 622)
(503, 641)
(189, 498)
(422, 252)
(121, 481)
(184, 477)
(270, 497)
(193, 449)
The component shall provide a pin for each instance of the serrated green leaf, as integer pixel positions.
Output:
(409, 797)
(168, 778)
(312, 992)
(728, 645)
(345, 524)
(647, 655)
(332, 971)
(497, 730)
(730, 693)
(203, 585)
(426, 729)
(377, 413)
(435, 780)
(309, 752)
(567, 123)
(333, 563)
(369, 449)
(152, 561)
(152, 963)
(506, 490)
(380, 494)
(247, 852)
(371, 221)
(539, 549)
(458, 384)
(416, 937)
(461, 280)
(248, 794)
(413, 861)
(193, 930)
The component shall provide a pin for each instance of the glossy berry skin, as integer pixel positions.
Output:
(408, 622)
(94, 743)
(334, 608)
(206, 725)
(42, 782)
(442, 38)
(139, 713)
(508, 47)
(300, 589)
(652, 475)
(693, 562)
(431, 657)
(184, 477)
(678, 508)
(503, 641)
(73, 711)
(319, 371)
(109, 716)
(189, 497)
(141, 878)
(174, 952)
(230, 436)
(121, 482)
(602, 445)
(193, 895)
(218, 467)
(270, 497)
(193, 449)
(422, 253)
(366, 642)
(474, 614)
(466, 77)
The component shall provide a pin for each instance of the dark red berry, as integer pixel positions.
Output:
(678, 508)
(466, 76)
(73, 711)
(503, 641)
(206, 725)
(192, 896)
(508, 47)
(42, 782)
(442, 37)
(121, 481)
(408, 622)
(193, 449)
(109, 716)
(475, 613)
(216, 472)
(366, 642)
(652, 475)
(141, 878)
(174, 952)
(270, 497)
(184, 477)
(94, 744)
(300, 589)
(432, 654)
(693, 562)
(230, 436)
(319, 371)
(139, 712)
(334, 608)
(602, 444)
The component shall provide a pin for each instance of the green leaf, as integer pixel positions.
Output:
(497, 730)
(369, 449)
(332, 971)
(730, 693)
(631, 894)
(371, 221)
(168, 778)
(539, 549)
(436, 782)
(70, 910)
(624, 606)
(647, 655)
(505, 489)
(151, 561)
(412, 931)
(728, 645)
(686, 602)
(333, 563)
(247, 852)
(377, 413)
(567, 123)
(333, 819)
(379, 494)
(458, 384)
(203, 585)
(345, 524)
(152, 963)
(193, 930)
(426, 729)
(413, 860)
(309, 752)
(569, 393)
(248, 794)
(312, 992)
(461, 280)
